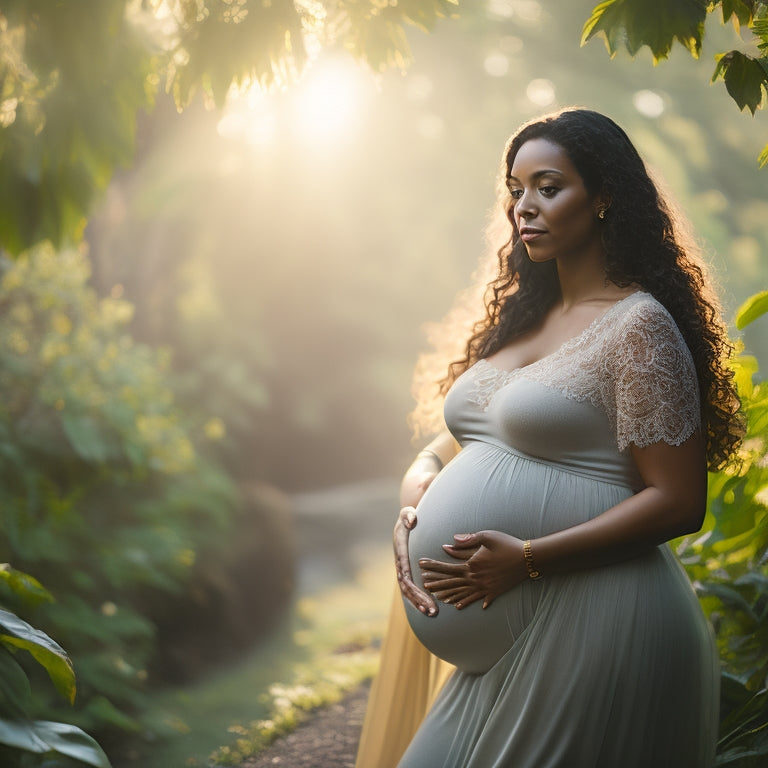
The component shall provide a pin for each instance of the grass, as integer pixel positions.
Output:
(325, 647)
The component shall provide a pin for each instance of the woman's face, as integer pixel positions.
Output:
(553, 212)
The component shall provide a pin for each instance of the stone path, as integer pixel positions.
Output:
(326, 739)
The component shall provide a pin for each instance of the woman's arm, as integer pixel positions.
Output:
(672, 504)
(425, 468)
(416, 480)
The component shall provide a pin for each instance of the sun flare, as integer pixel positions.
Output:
(329, 101)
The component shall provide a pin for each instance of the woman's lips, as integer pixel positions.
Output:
(527, 234)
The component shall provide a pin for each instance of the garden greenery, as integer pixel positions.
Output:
(728, 564)
(103, 495)
(25, 741)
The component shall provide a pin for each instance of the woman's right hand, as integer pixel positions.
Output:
(419, 598)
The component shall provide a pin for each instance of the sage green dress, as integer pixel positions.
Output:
(613, 667)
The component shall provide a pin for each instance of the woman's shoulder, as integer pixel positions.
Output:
(643, 312)
(644, 333)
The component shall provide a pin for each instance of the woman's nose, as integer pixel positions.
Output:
(524, 206)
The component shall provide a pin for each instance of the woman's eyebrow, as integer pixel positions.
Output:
(539, 174)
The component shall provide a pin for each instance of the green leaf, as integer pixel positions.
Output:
(763, 157)
(15, 633)
(15, 691)
(43, 736)
(760, 28)
(754, 307)
(655, 23)
(745, 78)
(86, 436)
(729, 597)
(738, 9)
(20, 734)
(28, 588)
(744, 369)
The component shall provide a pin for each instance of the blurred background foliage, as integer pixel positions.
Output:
(206, 306)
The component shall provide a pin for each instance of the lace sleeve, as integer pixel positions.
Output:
(654, 380)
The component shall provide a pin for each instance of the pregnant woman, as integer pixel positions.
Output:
(583, 414)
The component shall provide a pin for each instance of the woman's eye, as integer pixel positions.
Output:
(549, 191)
(516, 193)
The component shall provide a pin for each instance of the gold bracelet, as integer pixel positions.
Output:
(528, 556)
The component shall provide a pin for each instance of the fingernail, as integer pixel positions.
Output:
(432, 611)
(459, 606)
(462, 536)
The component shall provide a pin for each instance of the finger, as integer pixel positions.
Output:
(488, 600)
(408, 516)
(459, 554)
(433, 577)
(420, 599)
(433, 585)
(450, 595)
(437, 566)
(468, 599)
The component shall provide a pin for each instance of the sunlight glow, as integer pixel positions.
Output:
(249, 117)
(328, 101)
(431, 127)
(419, 87)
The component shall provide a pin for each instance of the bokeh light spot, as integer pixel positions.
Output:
(496, 64)
(510, 44)
(431, 127)
(648, 103)
(249, 117)
(541, 92)
(419, 87)
(501, 9)
(527, 11)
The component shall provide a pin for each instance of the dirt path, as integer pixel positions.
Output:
(326, 739)
(338, 530)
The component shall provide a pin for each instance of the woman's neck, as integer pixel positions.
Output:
(586, 281)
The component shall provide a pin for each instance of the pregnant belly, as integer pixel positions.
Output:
(487, 488)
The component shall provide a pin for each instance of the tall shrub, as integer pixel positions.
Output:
(728, 564)
(102, 494)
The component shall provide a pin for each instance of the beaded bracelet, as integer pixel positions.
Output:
(528, 557)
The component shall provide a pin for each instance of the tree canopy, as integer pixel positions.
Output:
(633, 24)
(75, 75)
(68, 110)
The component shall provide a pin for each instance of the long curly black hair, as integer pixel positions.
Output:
(644, 246)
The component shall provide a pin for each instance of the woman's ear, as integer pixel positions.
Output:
(602, 204)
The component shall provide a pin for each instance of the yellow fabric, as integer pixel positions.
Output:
(407, 683)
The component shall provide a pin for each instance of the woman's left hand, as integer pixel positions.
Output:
(492, 563)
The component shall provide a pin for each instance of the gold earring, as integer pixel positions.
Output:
(601, 213)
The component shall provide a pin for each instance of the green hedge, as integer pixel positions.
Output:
(103, 496)
(728, 564)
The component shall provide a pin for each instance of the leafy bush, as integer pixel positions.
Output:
(729, 566)
(22, 739)
(102, 493)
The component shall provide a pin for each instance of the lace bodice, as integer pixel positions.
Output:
(631, 362)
